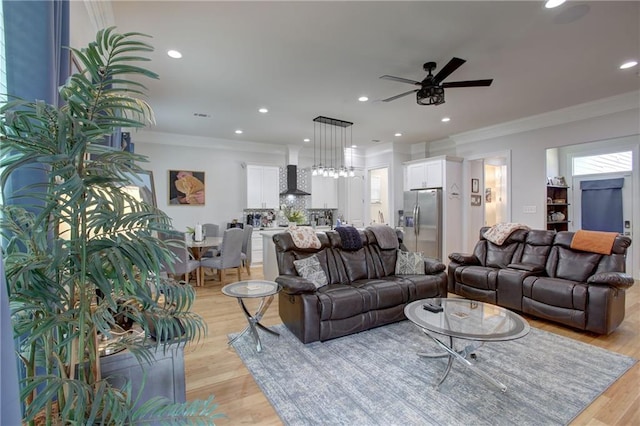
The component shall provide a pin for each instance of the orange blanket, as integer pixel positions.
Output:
(594, 241)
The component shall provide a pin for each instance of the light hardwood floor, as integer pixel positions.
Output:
(212, 367)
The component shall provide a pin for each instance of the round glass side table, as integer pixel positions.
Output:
(252, 289)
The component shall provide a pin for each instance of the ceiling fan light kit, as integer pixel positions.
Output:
(330, 141)
(431, 91)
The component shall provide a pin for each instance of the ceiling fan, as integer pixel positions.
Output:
(431, 91)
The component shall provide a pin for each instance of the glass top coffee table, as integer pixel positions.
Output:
(253, 289)
(469, 320)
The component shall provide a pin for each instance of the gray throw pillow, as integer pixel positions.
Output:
(409, 263)
(310, 269)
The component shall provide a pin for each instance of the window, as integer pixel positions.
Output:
(604, 163)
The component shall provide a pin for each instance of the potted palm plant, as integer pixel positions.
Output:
(81, 253)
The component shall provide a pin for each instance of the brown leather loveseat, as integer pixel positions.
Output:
(538, 273)
(363, 291)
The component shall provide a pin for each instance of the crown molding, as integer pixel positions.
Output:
(585, 111)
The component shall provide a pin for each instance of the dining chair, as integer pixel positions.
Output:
(230, 257)
(211, 230)
(246, 248)
(182, 263)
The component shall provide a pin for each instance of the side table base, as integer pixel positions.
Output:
(254, 321)
(460, 356)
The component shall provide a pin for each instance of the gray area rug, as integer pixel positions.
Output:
(376, 378)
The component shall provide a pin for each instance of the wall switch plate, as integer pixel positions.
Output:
(529, 209)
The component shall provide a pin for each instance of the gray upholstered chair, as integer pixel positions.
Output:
(211, 230)
(246, 248)
(231, 255)
(183, 264)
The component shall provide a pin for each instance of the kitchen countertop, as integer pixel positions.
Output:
(284, 228)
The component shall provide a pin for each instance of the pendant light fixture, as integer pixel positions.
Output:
(331, 134)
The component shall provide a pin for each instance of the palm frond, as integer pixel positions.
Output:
(80, 252)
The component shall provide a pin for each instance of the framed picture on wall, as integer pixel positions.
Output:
(475, 185)
(476, 200)
(487, 195)
(186, 188)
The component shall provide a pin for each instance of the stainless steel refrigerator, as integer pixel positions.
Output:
(423, 221)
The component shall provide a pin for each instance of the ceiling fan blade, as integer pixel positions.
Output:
(451, 66)
(400, 95)
(469, 83)
(400, 79)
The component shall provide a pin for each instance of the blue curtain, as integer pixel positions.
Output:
(602, 205)
(36, 64)
(9, 390)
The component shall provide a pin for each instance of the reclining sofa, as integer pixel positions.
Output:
(363, 291)
(538, 273)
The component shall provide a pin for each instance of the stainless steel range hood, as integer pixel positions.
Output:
(292, 182)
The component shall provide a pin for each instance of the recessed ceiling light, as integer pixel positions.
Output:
(238, 132)
(445, 119)
(363, 99)
(398, 134)
(550, 4)
(174, 54)
(629, 64)
(354, 146)
(306, 140)
(263, 110)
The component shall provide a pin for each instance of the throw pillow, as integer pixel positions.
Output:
(310, 268)
(409, 263)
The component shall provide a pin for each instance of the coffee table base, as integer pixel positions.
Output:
(254, 321)
(460, 356)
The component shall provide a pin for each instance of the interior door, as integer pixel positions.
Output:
(627, 208)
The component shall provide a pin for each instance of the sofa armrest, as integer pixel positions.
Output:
(614, 279)
(528, 267)
(292, 284)
(433, 266)
(465, 259)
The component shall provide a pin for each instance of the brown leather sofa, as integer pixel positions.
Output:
(538, 273)
(362, 293)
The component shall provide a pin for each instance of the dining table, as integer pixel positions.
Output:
(199, 248)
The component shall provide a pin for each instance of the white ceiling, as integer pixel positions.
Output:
(305, 59)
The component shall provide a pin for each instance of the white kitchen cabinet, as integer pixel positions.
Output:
(263, 187)
(256, 247)
(324, 193)
(424, 174)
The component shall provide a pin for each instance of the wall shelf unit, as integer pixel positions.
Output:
(557, 208)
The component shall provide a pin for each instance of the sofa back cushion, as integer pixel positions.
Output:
(351, 264)
(536, 247)
(575, 265)
(499, 256)
(287, 253)
(617, 261)
(340, 266)
(380, 262)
